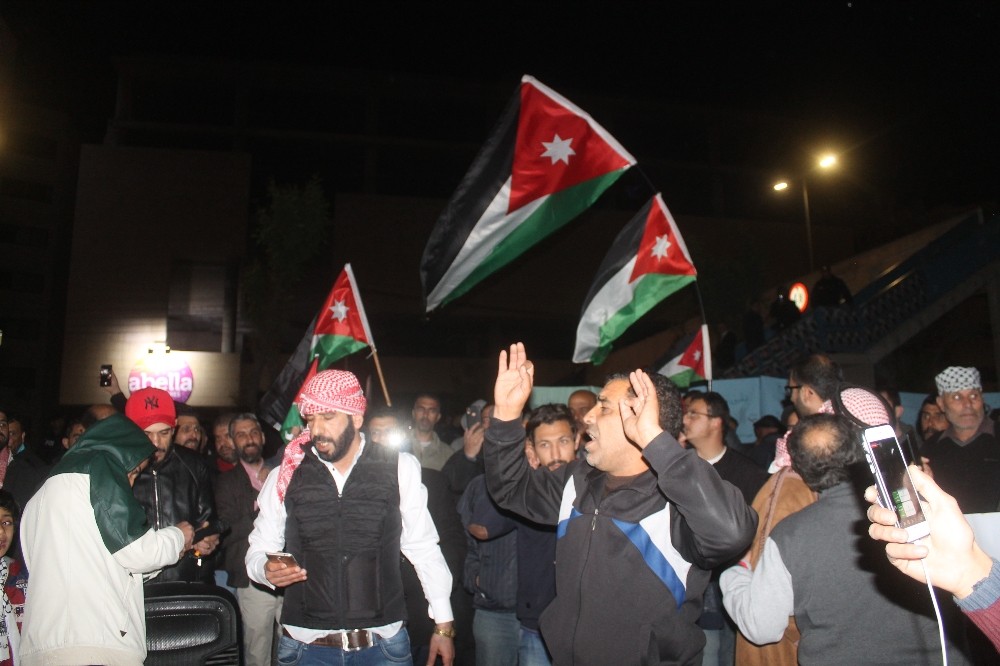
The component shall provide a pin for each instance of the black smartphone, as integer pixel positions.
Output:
(892, 480)
(106, 375)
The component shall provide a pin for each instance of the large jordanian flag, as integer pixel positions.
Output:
(545, 163)
(647, 262)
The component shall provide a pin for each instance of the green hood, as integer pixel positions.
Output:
(107, 452)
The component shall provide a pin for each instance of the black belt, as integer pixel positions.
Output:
(349, 641)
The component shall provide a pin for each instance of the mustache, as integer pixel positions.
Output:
(320, 439)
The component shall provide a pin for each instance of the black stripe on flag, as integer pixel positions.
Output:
(489, 171)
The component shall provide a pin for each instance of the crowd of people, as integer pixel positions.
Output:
(628, 526)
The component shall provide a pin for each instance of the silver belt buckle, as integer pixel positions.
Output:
(360, 634)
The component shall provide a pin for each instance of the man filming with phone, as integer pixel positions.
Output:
(176, 487)
(840, 588)
(345, 510)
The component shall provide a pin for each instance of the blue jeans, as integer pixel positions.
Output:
(531, 651)
(385, 652)
(496, 637)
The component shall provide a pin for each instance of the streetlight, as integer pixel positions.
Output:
(825, 161)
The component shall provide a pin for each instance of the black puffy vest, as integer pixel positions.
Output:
(348, 544)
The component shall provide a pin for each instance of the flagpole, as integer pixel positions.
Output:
(381, 379)
(704, 319)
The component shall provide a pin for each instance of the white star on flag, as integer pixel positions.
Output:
(660, 247)
(558, 149)
(696, 356)
(339, 310)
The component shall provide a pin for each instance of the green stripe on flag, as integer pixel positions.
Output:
(553, 213)
(685, 378)
(333, 347)
(649, 290)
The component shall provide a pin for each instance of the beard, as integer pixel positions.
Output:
(250, 454)
(341, 444)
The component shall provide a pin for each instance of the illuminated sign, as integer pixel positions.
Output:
(799, 294)
(163, 371)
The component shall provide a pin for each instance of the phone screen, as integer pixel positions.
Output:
(895, 482)
(105, 375)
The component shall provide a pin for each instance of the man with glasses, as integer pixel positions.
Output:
(965, 458)
(705, 426)
(812, 382)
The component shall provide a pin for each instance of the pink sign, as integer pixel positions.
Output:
(163, 371)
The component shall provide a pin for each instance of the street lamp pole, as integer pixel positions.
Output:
(825, 162)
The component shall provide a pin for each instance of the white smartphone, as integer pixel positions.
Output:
(283, 558)
(892, 480)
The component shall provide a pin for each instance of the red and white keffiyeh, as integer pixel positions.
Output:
(781, 455)
(327, 391)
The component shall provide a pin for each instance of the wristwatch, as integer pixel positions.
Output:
(447, 633)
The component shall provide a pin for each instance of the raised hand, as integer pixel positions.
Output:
(641, 413)
(515, 377)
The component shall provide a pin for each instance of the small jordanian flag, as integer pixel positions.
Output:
(341, 329)
(692, 365)
(545, 163)
(647, 262)
(341, 326)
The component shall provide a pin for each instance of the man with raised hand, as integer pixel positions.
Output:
(637, 536)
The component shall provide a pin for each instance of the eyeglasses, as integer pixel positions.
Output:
(789, 388)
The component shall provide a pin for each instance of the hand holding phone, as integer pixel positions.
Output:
(284, 558)
(893, 482)
(105, 375)
(281, 570)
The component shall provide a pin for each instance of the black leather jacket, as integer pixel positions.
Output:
(179, 488)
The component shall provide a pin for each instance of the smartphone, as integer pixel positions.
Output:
(106, 375)
(284, 558)
(892, 480)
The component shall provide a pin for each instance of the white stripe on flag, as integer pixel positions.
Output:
(494, 226)
(615, 294)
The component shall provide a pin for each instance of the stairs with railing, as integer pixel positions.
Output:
(892, 308)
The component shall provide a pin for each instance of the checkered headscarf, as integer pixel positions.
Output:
(332, 391)
(327, 391)
(957, 378)
(781, 456)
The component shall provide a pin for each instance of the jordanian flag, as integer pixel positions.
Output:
(546, 162)
(340, 329)
(647, 262)
(341, 326)
(693, 364)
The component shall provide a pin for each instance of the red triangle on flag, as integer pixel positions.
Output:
(661, 249)
(694, 355)
(340, 314)
(558, 146)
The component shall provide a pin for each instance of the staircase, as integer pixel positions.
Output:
(905, 299)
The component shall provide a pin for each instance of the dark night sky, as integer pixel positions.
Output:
(911, 87)
(908, 90)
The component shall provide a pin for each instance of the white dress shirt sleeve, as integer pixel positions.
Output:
(268, 535)
(419, 540)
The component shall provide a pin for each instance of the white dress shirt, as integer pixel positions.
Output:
(418, 541)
